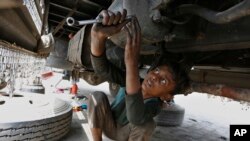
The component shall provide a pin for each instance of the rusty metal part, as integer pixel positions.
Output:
(240, 94)
(223, 69)
(235, 79)
(58, 62)
(151, 31)
(41, 48)
(209, 47)
(240, 10)
(45, 27)
(58, 56)
(79, 49)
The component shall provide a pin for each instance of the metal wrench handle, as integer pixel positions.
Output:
(71, 21)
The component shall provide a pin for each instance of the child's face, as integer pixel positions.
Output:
(159, 83)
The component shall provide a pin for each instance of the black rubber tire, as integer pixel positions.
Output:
(52, 124)
(113, 88)
(170, 115)
(40, 130)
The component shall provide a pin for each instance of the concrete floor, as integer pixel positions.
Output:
(202, 122)
(191, 130)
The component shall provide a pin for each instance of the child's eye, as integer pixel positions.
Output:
(163, 81)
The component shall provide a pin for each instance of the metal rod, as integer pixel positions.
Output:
(239, 94)
(240, 10)
(69, 9)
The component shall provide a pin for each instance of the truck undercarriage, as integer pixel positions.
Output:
(209, 38)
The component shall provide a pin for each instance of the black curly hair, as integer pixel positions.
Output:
(179, 74)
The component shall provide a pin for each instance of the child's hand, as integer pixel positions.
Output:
(112, 23)
(132, 48)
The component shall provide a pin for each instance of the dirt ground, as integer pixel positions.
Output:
(207, 118)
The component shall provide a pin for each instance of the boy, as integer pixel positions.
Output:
(130, 116)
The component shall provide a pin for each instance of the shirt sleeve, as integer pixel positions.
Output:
(139, 111)
(107, 70)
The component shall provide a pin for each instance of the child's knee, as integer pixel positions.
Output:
(96, 98)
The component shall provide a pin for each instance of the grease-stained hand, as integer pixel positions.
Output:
(132, 48)
(111, 24)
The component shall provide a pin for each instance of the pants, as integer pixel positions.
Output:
(100, 116)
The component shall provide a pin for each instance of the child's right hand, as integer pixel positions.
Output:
(112, 23)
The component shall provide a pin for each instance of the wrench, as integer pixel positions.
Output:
(71, 21)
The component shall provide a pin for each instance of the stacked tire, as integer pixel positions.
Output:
(33, 121)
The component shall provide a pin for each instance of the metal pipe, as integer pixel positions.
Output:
(239, 94)
(242, 9)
